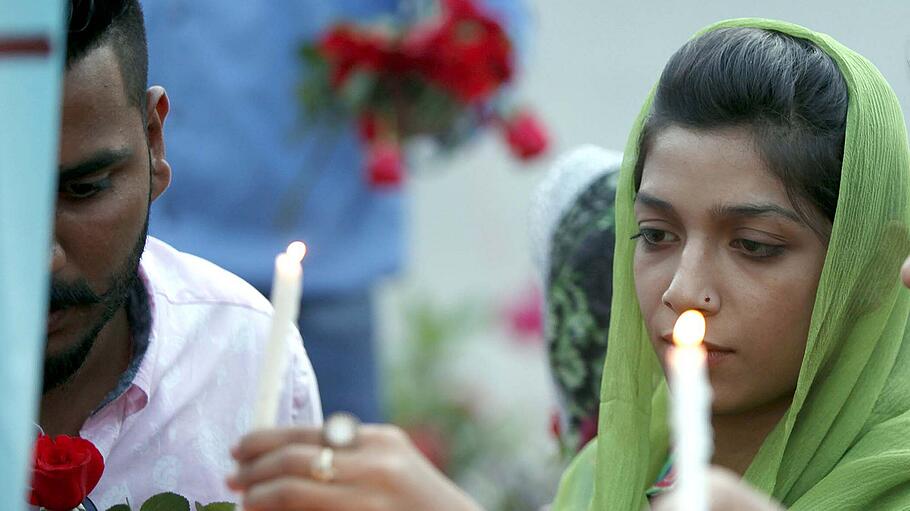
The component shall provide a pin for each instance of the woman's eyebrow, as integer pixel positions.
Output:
(739, 210)
(653, 202)
(755, 210)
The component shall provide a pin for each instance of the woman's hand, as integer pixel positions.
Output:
(728, 493)
(382, 471)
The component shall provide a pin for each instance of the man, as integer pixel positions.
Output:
(152, 354)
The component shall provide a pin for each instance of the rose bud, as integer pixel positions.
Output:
(525, 135)
(385, 167)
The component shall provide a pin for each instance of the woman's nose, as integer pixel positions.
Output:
(693, 285)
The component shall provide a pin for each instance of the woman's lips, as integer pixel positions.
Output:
(715, 354)
(715, 357)
(713, 347)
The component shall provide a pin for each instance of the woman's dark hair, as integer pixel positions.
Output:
(784, 89)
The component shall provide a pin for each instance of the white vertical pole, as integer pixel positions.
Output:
(31, 62)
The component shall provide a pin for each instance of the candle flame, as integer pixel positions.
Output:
(689, 329)
(297, 250)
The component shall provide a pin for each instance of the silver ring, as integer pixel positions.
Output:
(323, 466)
(340, 430)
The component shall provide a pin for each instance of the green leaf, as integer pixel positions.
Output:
(310, 54)
(357, 90)
(216, 506)
(166, 502)
(120, 507)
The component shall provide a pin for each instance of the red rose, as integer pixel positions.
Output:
(347, 49)
(461, 8)
(367, 125)
(556, 424)
(524, 317)
(66, 471)
(466, 52)
(587, 431)
(384, 165)
(525, 135)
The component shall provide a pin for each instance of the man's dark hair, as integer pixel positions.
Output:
(785, 90)
(119, 23)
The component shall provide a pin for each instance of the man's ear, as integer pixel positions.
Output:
(158, 105)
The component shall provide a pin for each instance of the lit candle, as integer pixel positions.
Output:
(286, 287)
(691, 414)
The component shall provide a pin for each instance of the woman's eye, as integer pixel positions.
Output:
(654, 236)
(756, 249)
(84, 190)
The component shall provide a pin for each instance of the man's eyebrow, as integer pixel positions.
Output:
(100, 160)
(755, 210)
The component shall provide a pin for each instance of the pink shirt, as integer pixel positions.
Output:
(192, 397)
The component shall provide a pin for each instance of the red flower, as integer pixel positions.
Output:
(466, 52)
(525, 135)
(384, 165)
(463, 8)
(524, 316)
(368, 126)
(556, 424)
(587, 431)
(66, 471)
(348, 49)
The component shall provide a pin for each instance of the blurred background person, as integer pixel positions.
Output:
(573, 231)
(256, 175)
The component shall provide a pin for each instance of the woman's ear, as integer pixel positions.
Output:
(158, 105)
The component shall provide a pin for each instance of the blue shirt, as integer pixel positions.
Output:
(250, 175)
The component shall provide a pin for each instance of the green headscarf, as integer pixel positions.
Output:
(844, 443)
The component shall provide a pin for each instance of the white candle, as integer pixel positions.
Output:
(691, 413)
(286, 287)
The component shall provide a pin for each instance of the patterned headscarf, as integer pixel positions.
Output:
(574, 226)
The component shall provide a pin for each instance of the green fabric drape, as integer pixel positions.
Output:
(845, 441)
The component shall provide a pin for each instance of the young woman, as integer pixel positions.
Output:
(767, 184)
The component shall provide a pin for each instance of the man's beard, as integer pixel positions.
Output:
(60, 368)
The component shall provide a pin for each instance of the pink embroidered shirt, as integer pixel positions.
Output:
(192, 396)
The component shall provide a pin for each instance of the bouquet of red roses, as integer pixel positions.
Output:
(438, 77)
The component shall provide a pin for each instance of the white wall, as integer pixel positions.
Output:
(597, 59)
